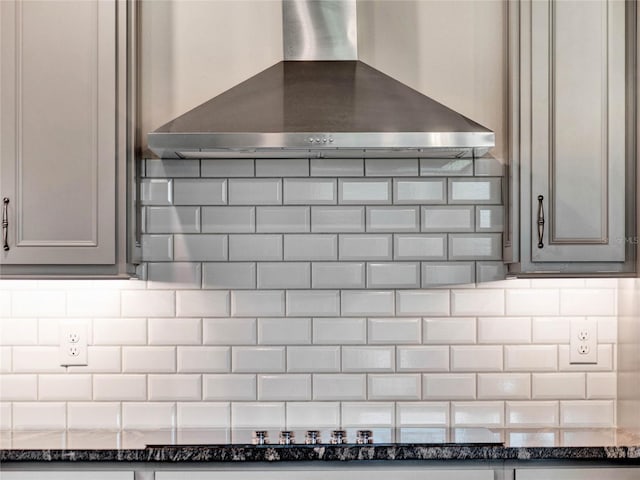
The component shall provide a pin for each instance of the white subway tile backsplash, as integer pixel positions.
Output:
(449, 386)
(337, 167)
(64, 387)
(37, 303)
(212, 415)
(101, 360)
(230, 387)
(504, 330)
(393, 275)
(531, 358)
(476, 358)
(368, 359)
(558, 385)
(255, 191)
(289, 387)
(446, 166)
(266, 303)
(18, 388)
(532, 302)
(39, 416)
(147, 303)
(119, 387)
(550, 329)
(422, 414)
(226, 168)
(607, 329)
(423, 359)
(258, 359)
(172, 168)
(477, 414)
(419, 190)
(475, 246)
(36, 360)
(18, 331)
(175, 387)
(148, 359)
(394, 330)
(283, 219)
(262, 248)
(440, 274)
(282, 167)
(5, 360)
(475, 190)
(229, 275)
(174, 276)
(393, 219)
(313, 359)
(368, 414)
(605, 359)
(588, 301)
(172, 219)
(254, 415)
(310, 191)
(422, 302)
(337, 275)
(601, 385)
(310, 303)
(364, 191)
(175, 331)
(481, 302)
(449, 330)
(94, 416)
(204, 359)
(532, 414)
(587, 413)
(492, 386)
(284, 331)
(420, 247)
(339, 331)
(148, 416)
(229, 331)
(202, 247)
(337, 219)
(228, 219)
(380, 167)
(309, 415)
(192, 303)
(395, 386)
(199, 191)
(310, 247)
(365, 247)
(367, 303)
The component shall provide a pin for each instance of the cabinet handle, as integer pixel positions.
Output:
(540, 221)
(5, 224)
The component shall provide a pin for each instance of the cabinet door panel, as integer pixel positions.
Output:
(578, 129)
(337, 473)
(58, 152)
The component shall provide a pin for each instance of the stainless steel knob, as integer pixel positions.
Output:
(338, 437)
(286, 437)
(364, 437)
(312, 438)
(260, 437)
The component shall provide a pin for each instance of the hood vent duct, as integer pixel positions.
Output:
(320, 102)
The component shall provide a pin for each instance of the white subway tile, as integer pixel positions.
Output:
(494, 386)
(313, 359)
(229, 275)
(446, 166)
(475, 246)
(172, 168)
(365, 247)
(394, 387)
(368, 359)
(93, 303)
(255, 247)
(476, 358)
(36, 360)
(394, 330)
(5, 303)
(227, 168)
(337, 219)
(39, 416)
(267, 303)
(448, 218)
(585, 413)
(255, 191)
(587, 301)
(475, 190)
(229, 331)
(422, 414)
(100, 360)
(191, 303)
(18, 388)
(605, 359)
(18, 331)
(172, 219)
(310, 303)
(309, 191)
(157, 248)
(531, 358)
(494, 274)
(258, 359)
(556, 386)
(449, 386)
(64, 387)
(419, 190)
(550, 329)
(172, 276)
(147, 303)
(93, 416)
(201, 247)
(289, 387)
(602, 385)
(558, 282)
(283, 219)
(477, 414)
(199, 415)
(489, 218)
(175, 331)
(284, 275)
(119, 331)
(393, 219)
(156, 191)
(422, 302)
(38, 303)
(607, 329)
(339, 331)
(391, 167)
(284, 331)
(230, 387)
(420, 247)
(199, 192)
(119, 387)
(368, 414)
(310, 247)
(480, 302)
(5, 360)
(504, 329)
(439, 274)
(258, 415)
(228, 219)
(393, 275)
(175, 387)
(449, 331)
(282, 167)
(148, 359)
(423, 359)
(204, 359)
(339, 386)
(338, 167)
(5, 417)
(364, 191)
(309, 415)
(367, 303)
(532, 302)
(148, 416)
(532, 414)
(338, 275)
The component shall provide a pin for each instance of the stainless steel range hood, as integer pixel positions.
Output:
(320, 102)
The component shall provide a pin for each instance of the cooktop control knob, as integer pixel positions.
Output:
(364, 437)
(338, 437)
(313, 437)
(260, 437)
(286, 437)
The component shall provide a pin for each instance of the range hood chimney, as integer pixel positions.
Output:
(321, 101)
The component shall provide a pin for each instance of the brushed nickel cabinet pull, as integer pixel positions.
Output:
(540, 221)
(5, 224)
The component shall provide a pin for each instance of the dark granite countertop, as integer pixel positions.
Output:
(521, 445)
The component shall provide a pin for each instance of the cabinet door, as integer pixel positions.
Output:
(334, 473)
(58, 130)
(574, 136)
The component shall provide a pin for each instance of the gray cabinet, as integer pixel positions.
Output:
(572, 118)
(62, 156)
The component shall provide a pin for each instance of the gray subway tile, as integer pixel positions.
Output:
(446, 167)
(391, 167)
(173, 220)
(337, 275)
(201, 247)
(420, 247)
(284, 275)
(283, 219)
(174, 275)
(337, 219)
(478, 190)
(393, 219)
(437, 274)
(229, 275)
(311, 247)
(489, 218)
(255, 247)
(393, 275)
(228, 219)
(419, 190)
(365, 247)
(158, 248)
(313, 303)
(309, 191)
(448, 218)
(257, 303)
(172, 168)
(282, 167)
(475, 246)
(337, 167)
(488, 166)
(226, 168)
(199, 191)
(490, 271)
(156, 191)
(364, 191)
(255, 191)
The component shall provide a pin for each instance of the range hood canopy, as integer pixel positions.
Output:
(320, 102)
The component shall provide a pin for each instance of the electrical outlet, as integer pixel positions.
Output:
(73, 343)
(583, 345)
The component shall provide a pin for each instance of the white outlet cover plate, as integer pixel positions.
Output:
(76, 329)
(581, 328)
